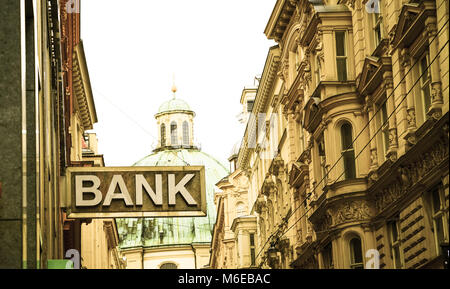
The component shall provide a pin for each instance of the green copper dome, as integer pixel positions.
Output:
(173, 105)
(156, 232)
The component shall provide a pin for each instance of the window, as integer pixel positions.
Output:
(425, 80)
(327, 256)
(173, 133)
(348, 153)
(377, 26)
(250, 105)
(384, 128)
(168, 266)
(185, 133)
(440, 217)
(252, 249)
(341, 58)
(163, 135)
(396, 252)
(356, 259)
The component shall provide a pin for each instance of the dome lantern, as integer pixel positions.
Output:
(175, 121)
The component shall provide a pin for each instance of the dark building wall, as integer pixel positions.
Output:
(11, 137)
(11, 143)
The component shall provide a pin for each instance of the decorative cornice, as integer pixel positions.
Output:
(82, 88)
(338, 211)
(279, 19)
(261, 100)
(411, 23)
(372, 74)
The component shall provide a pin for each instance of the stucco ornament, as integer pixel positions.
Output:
(352, 211)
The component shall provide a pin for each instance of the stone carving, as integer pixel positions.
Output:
(405, 176)
(387, 196)
(260, 204)
(307, 155)
(343, 212)
(412, 173)
(320, 55)
(352, 211)
(436, 94)
(431, 29)
(393, 137)
(389, 84)
(285, 70)
(269, 186)
(307, 72)
(373, 177)
(406, 60)
(277, 166)
(373, 157)
(411, 117)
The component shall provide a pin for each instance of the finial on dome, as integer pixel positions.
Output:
(174, 88)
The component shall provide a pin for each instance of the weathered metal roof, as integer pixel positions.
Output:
(175, 104)
(155, 232)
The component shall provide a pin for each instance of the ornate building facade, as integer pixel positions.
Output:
(354, 172)
(234, 237)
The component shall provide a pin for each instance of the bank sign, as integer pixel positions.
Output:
(104, 192)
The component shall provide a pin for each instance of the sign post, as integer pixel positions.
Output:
(120, 192)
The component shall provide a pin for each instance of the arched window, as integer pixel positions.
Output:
(348, 153)
(356, 257)
(185, 133)
(169, 266)
(173, 133)
(163, 135)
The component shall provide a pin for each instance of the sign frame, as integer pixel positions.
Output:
(75, 214)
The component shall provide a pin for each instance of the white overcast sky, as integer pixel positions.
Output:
(215, 48)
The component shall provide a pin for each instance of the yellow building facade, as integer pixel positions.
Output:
(347, 151)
